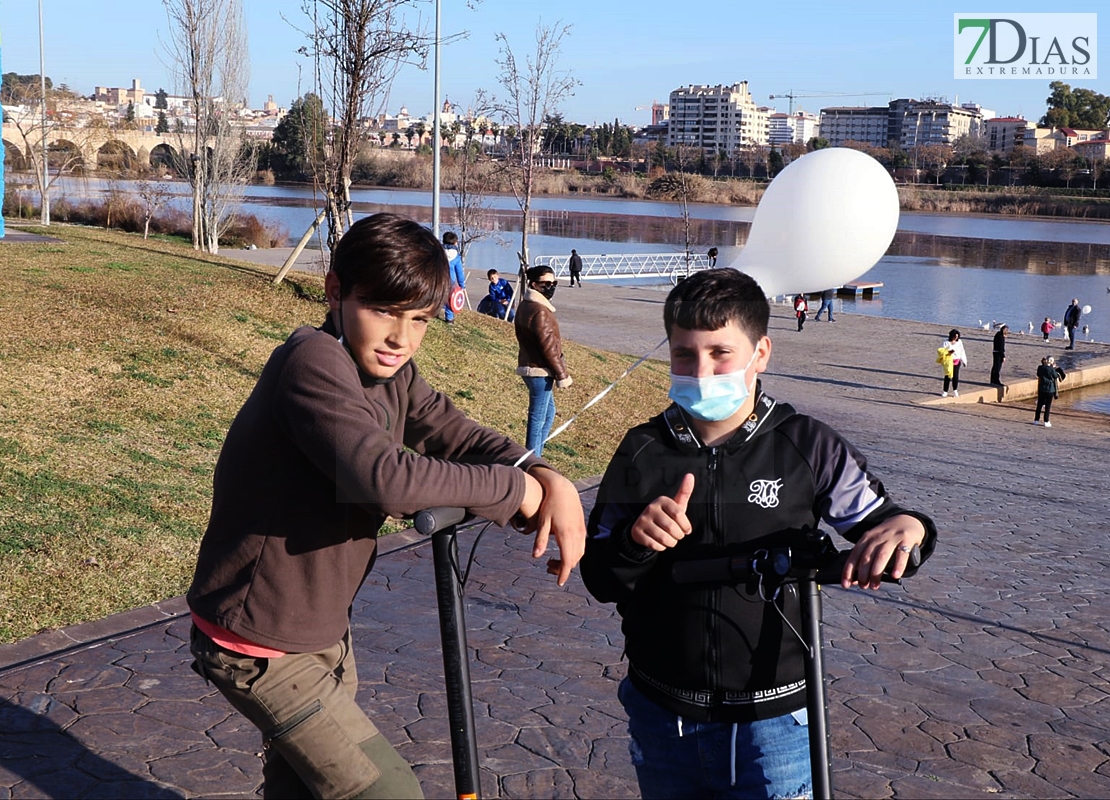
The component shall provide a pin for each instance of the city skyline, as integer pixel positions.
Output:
(626, 55)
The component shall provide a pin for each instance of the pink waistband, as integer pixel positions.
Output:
(234, 642)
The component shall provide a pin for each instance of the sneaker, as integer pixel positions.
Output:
(1048, 424)
(1036, 422)
(955, 393)
(944, 394)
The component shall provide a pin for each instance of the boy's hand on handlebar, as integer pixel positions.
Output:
(664, 523)
(886, 547)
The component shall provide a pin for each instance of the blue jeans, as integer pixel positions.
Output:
(824, 304)
(679, 758)
(541, 412)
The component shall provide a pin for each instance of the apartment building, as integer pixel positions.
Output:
(716, 118)
(1003, 134)
(903, 123)
(798, 128)
(855, 124)
(919, 123)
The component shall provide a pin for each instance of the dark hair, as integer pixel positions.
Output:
(450, 238)
(390, 260)
(953, 335)
(491, 272)
(535, 273)
(711, 298)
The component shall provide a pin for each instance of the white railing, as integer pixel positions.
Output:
(671, 266)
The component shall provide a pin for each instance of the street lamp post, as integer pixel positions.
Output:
(435, 132)
(42, 84)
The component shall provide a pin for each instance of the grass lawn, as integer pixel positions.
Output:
(122, 364)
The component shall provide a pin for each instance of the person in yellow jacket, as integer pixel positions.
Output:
(953, 357)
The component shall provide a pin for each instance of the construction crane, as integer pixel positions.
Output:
(792, 96)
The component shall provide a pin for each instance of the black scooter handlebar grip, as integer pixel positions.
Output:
(431, 520)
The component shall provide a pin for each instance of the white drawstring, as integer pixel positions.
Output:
(679, 727)
(732, 760)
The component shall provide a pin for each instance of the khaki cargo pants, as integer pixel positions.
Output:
(318, 742)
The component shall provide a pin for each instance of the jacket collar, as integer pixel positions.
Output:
(765, 415)
(532, 295)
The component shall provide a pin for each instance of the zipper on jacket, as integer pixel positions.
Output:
(713, 651)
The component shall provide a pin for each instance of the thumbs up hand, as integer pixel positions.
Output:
(664, 523)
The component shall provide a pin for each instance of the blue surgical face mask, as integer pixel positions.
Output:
(714, 398)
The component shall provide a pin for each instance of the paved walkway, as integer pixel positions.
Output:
(984, 676)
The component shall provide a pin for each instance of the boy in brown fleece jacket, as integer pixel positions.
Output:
(340, 432)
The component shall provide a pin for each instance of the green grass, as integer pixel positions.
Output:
(122, 364)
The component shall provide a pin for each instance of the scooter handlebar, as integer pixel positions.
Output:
(777, 563)
(431, 520)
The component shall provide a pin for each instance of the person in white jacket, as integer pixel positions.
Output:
(959, 359)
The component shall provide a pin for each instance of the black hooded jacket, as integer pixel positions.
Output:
(713, 652)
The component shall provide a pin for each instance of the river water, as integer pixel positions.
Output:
(960, 270)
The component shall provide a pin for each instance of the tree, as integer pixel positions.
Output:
(129, 117)
(470, 176)
(775, 162)
(16, 88)
(161, 103)
(298, 140)
(208, 50)
(1079, 108)
(1064, 162)
(817, 143)
(153, 195)
(533, 92)
(935, 158)
(163, 125)
(40, 126)
(357, 47)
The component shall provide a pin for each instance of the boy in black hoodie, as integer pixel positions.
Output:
(715, 691)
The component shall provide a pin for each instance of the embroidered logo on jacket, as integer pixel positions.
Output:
(765, 493)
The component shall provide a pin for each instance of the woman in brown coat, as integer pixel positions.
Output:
(540, 360)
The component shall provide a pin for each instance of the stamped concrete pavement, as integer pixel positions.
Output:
(983, 676)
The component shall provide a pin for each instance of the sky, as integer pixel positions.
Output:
(624, 53)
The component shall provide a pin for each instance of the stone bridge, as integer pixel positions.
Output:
(93, 147)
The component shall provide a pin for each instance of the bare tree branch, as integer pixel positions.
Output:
(533, 92)
(208, 50)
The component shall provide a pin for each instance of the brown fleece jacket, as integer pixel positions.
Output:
(316, 459)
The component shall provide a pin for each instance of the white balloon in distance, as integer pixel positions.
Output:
(823, 221)
(1086, 309)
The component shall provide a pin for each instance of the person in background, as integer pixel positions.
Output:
(716, 690)
(959, 359)
(1071, 322)
(999, 354)
(575, 265)
(458, 274)
(341, 432)
(712, 256)
(500, 294)
(540, 358)
(1047, 328)
(801, 309)
(827, 298)
(1048, 388)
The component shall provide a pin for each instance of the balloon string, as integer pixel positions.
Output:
(594, 400)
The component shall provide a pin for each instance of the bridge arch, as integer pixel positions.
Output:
(117, 155)
(65, 152)
(14, 160)
(163, 155)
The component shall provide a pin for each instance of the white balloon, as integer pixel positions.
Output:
(1086, 309)
(824, 220)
